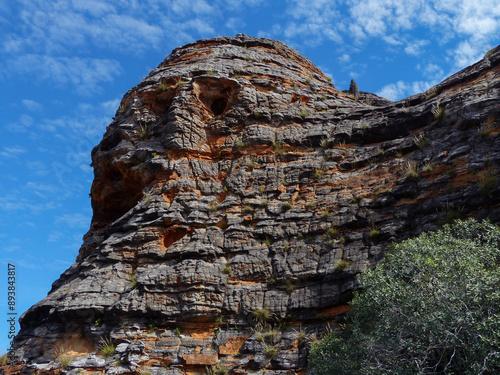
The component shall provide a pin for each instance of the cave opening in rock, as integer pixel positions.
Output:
(218, 106)
(215, 94)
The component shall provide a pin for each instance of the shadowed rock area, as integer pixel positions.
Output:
(238, 193)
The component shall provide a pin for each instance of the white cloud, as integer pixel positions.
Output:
(126, 33)
(344, 58)
(18, 203)
(400, 90)
(74, 220)
(96, 8)
(37, 167)
(432, 71)
(235, 23)
(314, 21)
(85, 74)
(416, 47)
(32, 105)
(466, 54)
(12, 152)
(22, 125)
(394, 91)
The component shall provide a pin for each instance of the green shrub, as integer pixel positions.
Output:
(3, 359)
(432, 306)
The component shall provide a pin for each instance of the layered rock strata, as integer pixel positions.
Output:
(238, 193)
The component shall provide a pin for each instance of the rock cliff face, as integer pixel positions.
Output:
(237, 194)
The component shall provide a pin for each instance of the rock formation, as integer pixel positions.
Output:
(353, 89)
(237, 194)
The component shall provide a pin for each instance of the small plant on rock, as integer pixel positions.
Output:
(132, 278)
(143, 131)
(62, 356)
(342, 264)
(488, 183)
(485, 130)
(152, 327)
(179, 82)
(304, 113)
(213, 206)
(438, 112)
(64, 361)
(251, 164)
(332, 232)
(317, 173)
(325, 143)
(268, 241)
(262, 316)
(278, 148)
(431, 93)
(310, 204)
(217, 370)
(107, 347)
(227, 269)
(452, 213)
(411, 169)
(421, 141)
(271, 351)
(374, 231)
(289, 287)
(163, 86)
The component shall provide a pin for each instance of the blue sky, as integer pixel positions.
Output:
(65, 64)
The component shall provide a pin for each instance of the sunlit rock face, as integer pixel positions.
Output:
(238, 193)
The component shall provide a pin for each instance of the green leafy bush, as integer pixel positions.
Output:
(432, 306)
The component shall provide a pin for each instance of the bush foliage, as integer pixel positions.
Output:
(432, 306)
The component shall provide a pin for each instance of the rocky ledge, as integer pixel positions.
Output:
(237, 194)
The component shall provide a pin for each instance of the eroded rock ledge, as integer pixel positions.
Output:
(237, 194)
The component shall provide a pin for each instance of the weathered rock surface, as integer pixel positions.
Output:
(237, 194)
